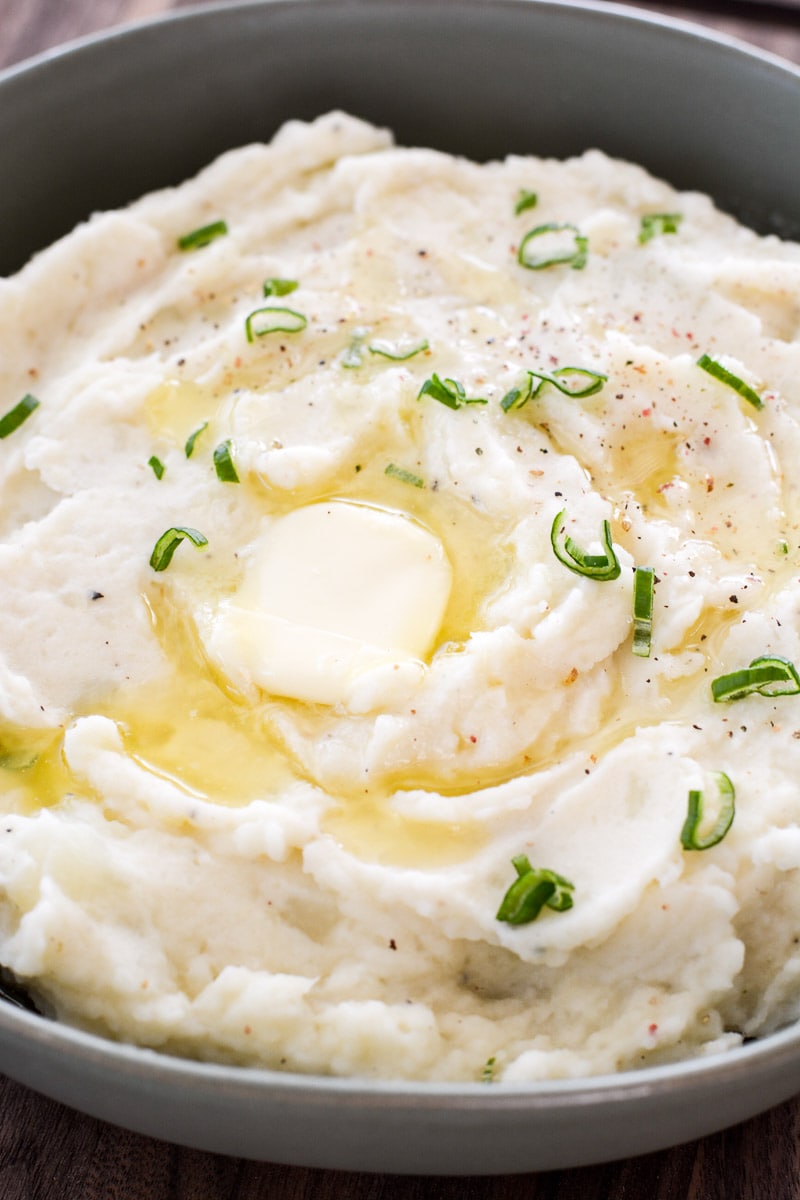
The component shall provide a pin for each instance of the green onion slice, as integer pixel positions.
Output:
(354, 354)
(202, 236)
(572, 381)
(643, 587)
(448, 392)
(157, 465)
(691, 839)
(168, 543)
(655, 224)
(280, 287)
(768, 675)
(404, 476)
(223, 463)
(727, 377)
(487, 1074)
(397, 353)
(18, 760)
(273, 320)
(555, 249)
(192, 438)
(525, 201)
(16, 415)
(532, 890)
(593, 566)
(517, 397)
(577, 382)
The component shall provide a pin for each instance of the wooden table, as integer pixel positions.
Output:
(48, 1152)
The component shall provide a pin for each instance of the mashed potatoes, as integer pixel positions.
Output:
(326, 740)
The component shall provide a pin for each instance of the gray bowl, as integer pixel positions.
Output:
(105, 120)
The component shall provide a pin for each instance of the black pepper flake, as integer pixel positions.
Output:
(733, 599)
(96, 595)
(478, 450)
(392, 944)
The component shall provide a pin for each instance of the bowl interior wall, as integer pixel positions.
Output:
(97, 126)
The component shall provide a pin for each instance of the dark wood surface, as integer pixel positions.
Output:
(48, 1152)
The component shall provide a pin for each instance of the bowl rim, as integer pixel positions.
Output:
(613, 9)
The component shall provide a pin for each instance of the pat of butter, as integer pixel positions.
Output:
(336, 591)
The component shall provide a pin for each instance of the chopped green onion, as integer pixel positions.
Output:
(395, 353)
(202, 236)
(487, 1074)
(448, 392)
(192, 438)
(517, 397)
(571, 385)
(643, 586)
(691, 839)
(601, 567)
(532, 890)
(223, 463)
(157, 465)
(727, 377)
(404, 476)
(16, 415)
(273, 320)
(354, 354)
(768, 675)
(280, 287)
(571, 252)
(655, 224)
(168, 543)
(525, 201)
(18, 760)
(568, 380)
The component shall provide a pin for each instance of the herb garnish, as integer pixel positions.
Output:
(16, 415)
(202, 236)
(224, 464)
(534, 889)
(655, 224)
(157, 465)
(602, 567)
(192, 438)
(568, 381)
(448, 392)
(733, 381)
(571, 251)
(168, 543)
(387, 350)
(525, 200)
(354, 354)
(690, 838)
(280, 287)
(272, 319)
(404, 476)
(769, 675)
(643, 586)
